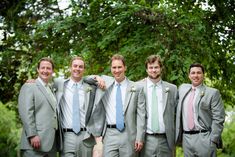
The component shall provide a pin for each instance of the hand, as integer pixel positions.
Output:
(100, 82)
(138, 146)
(98, 150)
(30, 81)
(35, 142)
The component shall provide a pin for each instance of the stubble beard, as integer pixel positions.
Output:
(155, 78)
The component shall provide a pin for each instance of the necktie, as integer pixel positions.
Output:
(154, 116)
(119, 109)
(190, 110)
(76, 113)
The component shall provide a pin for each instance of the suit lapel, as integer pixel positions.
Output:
(44, 92)
(129, 92)
(100, 92)
(202, 90)
(164, 95)
(184, 92)
(87, 95)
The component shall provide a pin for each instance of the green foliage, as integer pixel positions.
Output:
(9, 135)
(228, 136)
(181, 32)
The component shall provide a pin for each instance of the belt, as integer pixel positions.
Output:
(71, 130)
(194, 131)
(157, 134)
(112, 126)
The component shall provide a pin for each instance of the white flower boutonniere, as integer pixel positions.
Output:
(53, 89)
(88, 89)
(133, 89)
(167, 89)
(202, 93)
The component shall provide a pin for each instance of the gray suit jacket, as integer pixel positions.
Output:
(209, 111)
(169, 102)
(134, 110)
(38, 114)
(89, 101)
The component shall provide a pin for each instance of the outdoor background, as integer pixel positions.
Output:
(180, 31)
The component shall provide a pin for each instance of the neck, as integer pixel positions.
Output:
(155, 80)
(76, 79)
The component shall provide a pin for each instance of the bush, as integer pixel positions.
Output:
(9, 135)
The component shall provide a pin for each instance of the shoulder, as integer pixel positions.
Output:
(107, 78)
(171, 85)
(141, 82)
(212, 90)
(29, 86)
(59, 80)
(185, 85)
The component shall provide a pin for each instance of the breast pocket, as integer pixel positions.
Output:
(204, 106)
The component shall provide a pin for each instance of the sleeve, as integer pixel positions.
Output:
(141, 116)
(27, 109)
(218, 117)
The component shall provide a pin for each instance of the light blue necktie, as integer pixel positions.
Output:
(76, 113)
(154, 119)
(119, 109)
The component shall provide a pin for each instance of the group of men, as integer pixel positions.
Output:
(114, 116)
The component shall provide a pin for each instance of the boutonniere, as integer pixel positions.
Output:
(133, 89)
(88, 89)
(202, 93)
(167, 89)
(53, 89)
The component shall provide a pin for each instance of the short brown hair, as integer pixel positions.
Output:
(76, 58)
(48, 60)
(118, 57)
(197, 65)
(151, 59)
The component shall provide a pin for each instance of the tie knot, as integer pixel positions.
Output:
(154, 85)
(193, 88)
(118, 84)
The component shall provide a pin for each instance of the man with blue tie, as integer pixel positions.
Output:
(37, 109)
(121, 109)
(200, 116)
(161, 101)
(75, 103)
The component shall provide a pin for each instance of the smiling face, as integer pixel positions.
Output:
(118, 70)
(196, 76)
(45, 71)
(154, 70)
(77, 69)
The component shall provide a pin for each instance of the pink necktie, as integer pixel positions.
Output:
(190, 110)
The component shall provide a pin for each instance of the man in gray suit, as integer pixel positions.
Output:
(160, 133)
(200, 116)
(37, 109)
(121, 110)
(77, 142)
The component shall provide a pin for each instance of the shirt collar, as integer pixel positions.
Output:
(151, 84)
(197, 87)
(123, 83)
(42, 82)
(72, 82)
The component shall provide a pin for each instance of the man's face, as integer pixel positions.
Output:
(154, 70)
(77, 69)
(118, 70)
(196, 76)
(45, 71)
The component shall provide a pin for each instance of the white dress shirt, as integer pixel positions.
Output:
(110, 101)
(185, 110)
(67, 104)
(159, 92)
